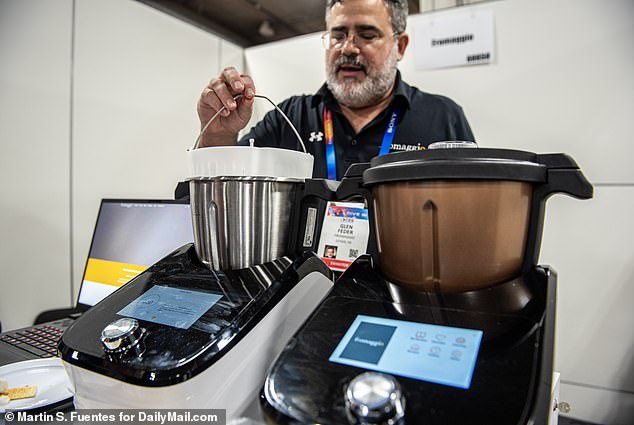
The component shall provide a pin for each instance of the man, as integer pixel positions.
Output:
(364, 109)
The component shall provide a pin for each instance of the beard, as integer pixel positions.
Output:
(355, 94)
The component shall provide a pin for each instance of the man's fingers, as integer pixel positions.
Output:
(210, 99)
(223, 94)
(249, 86)
(245, 108)
(220, 93)
(233, 79)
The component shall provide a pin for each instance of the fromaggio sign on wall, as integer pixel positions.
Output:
(454, 40)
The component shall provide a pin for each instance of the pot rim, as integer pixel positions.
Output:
(475, 169)
(246, 179)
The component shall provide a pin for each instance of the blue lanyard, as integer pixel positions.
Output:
(331, 161)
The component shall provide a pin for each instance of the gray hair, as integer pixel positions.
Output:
(397, 10)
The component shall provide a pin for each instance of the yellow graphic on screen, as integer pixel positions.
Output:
(111, 272)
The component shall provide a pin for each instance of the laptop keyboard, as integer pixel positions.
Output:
(40, 340)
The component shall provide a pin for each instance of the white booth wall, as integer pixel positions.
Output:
(98, 100)
(35, 52)
(563, 81)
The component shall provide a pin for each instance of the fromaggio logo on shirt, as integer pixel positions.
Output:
(400, 147)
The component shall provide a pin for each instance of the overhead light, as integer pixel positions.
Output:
(266, 29)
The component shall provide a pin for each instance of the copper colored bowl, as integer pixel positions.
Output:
(454, 220)
(451, 236)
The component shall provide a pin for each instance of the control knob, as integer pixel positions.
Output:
(375, 398)
(121, 335)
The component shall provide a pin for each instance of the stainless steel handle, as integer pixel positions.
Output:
(299, 138)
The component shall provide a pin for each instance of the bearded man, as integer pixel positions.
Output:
(364, 109)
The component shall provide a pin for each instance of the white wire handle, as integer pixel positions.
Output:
(301, 142)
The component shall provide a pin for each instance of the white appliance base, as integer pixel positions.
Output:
(231, 383)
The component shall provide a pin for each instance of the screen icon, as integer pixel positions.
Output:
(368, 342)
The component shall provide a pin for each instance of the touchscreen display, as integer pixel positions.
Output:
(440, 354)
(175, 307)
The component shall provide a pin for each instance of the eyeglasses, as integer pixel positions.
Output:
(336, 39)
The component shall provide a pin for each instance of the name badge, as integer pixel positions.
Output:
(344, 234)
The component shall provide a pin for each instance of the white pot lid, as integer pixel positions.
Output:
(249, 161)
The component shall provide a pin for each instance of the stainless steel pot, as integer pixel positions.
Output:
(241, 221)
(242, 199)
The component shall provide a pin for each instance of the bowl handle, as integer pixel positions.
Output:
(299, 138)
(563, 176)
(569, 181)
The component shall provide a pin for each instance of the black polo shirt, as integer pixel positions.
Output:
(424, 118)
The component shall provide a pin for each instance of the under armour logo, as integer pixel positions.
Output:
(316, 136)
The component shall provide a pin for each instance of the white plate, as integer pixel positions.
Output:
(52, 382)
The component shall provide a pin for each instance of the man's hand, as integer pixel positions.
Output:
(237, 113)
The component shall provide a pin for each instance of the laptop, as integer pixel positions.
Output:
(130, 235)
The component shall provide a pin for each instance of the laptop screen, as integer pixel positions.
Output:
(130, 236)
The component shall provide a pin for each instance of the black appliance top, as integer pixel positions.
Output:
(173, 350)
(465, 163)
(512, 374)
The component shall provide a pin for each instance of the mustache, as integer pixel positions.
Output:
(351, 60)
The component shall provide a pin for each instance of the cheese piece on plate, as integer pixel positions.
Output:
(21, 392)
